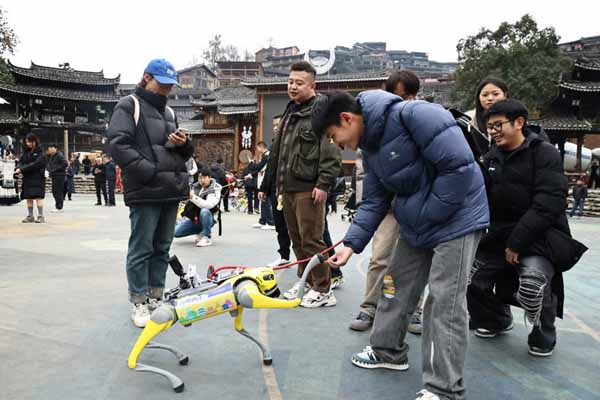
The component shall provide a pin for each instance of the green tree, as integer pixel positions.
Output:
(8, 42)
(527, 58)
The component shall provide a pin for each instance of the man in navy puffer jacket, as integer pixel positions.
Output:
(416, 159)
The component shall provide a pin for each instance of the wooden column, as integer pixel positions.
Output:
(259, 122)
(236, 144)
(579, 147)
(66, 143)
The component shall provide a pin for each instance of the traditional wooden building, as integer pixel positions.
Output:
(272, 97)
(225, 126)
(63, 106)
(575, 111)
(230, 73)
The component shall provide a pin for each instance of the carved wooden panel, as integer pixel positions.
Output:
(209, 149)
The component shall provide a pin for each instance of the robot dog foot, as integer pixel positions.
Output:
(176, 383)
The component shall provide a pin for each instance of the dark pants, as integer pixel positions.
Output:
(100, 187)
(152, 228)
(578, 206)
(328, 242)
(250, 194)
(110, 188)
(283, 237)
(305, 221)
(58, 187)
(266, 213)
(225, 197)
(492, 288)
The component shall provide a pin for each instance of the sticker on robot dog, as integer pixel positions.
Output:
(388, 287)
(202, 297)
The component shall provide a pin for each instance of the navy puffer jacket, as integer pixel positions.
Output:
(424, 161)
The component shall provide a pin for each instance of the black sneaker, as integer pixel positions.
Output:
(415, 325)
(487, 334)
(362, 322)
(540, 352)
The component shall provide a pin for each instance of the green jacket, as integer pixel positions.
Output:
(300, 159)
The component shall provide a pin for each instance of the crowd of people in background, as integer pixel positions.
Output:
(466, 212)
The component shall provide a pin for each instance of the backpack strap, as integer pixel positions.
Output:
(136, 109)
(171, 112)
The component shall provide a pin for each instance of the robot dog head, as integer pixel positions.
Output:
(265, 278)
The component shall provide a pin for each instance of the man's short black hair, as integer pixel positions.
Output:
(52, 145)
(205, 171)
(409, 80)
(304, 66)
(219, 160)
(510, 108)
(327, 108)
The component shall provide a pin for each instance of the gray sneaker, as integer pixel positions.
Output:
(368, 359)
(40, 219)
(28, 219)
(362, 322)
(415, 326)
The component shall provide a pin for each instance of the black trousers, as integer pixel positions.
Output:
(110, 188)
(250, 194)
(283, 237)
(226, 199)
(58, 186)
(495, 284)
(101, 187)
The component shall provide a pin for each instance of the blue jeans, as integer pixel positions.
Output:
(148, 253)
(266, 213)
(578, 207)
(187, 227)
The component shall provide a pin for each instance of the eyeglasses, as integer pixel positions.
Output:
(497, 126)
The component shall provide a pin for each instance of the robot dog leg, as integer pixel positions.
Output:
(161, 320)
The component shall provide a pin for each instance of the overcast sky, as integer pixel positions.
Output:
(122, 36)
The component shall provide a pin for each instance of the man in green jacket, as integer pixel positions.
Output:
(302, 169)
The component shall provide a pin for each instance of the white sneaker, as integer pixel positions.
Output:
(197, 238)
(56, 210)
(257, 226)
(277, 262)
(314, 299)
(336, 282)
(427, 395)
(267, 228)
(140, 315)
(292, 293)
(204, 242)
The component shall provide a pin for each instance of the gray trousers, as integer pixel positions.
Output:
(445, 323)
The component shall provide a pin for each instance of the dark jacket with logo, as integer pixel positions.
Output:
(32, 165)
(301, 160)
(153, 169)
(57, 165)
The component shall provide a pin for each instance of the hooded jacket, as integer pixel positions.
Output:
(153, 169)
(414, 151)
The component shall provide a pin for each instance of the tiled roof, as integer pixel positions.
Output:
(564, 124)
(587, 64)
(231, 100)
(580, 86)
(60, 93)
(9, 118)
(350, 77)
(63, 75)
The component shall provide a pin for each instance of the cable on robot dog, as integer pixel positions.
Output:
(285, 266)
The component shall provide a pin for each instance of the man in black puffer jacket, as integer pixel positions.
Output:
(57, 167)
(145, 142)
(516, 262)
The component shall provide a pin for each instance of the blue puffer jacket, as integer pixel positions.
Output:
(426, 164)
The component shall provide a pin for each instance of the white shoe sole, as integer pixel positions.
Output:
(328, 303)
(395, 367)
(493, 334)
(536, 354)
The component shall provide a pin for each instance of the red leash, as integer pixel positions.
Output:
(285, 266)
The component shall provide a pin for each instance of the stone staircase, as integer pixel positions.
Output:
(84, 184)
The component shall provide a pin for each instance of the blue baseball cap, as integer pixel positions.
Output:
(163, 71)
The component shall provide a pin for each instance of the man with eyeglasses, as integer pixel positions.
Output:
(527, 194)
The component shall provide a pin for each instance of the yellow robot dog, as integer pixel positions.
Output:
(194, 300)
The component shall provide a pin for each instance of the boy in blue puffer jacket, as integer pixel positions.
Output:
(415, 154)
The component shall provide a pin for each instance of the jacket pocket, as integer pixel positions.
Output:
(309, 144)
(303, 168)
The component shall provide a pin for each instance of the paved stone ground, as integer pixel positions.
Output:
(65, 331)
